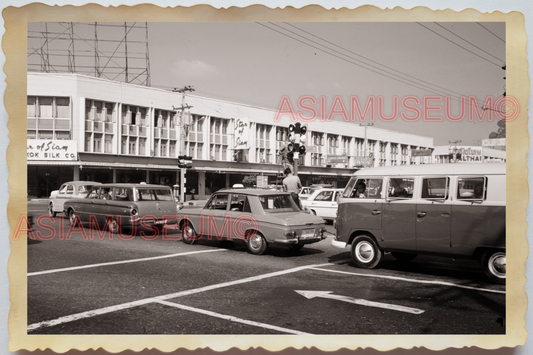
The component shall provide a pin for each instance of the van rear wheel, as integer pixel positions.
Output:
(365, 252)
(494, 264)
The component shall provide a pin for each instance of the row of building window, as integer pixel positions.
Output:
(50, 118)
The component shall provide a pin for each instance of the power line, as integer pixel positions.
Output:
(503, 61)
(399, 79)
(458, 45)
(491, 32)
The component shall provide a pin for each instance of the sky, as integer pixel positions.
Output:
(273, 65)
(260, 63)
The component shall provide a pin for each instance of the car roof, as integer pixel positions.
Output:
(255, 192)
(82, 183)
(122, 184)
(435, 169)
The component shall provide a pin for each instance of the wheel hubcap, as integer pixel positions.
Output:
(498, 264)
(365, 252)
(256, 242)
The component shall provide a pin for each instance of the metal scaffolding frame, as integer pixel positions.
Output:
(114, 51)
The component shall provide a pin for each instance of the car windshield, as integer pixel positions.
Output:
(278, 204)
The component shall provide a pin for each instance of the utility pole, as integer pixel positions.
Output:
(365, 141)
(184, 131)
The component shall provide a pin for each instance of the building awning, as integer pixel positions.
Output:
(233, 170)
(104, 164)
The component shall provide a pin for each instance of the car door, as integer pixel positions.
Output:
(433, 216)
(323, 203)
(65, 193)
(213, 218)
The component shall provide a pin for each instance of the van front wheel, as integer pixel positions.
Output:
(365, 252)
(494, 263)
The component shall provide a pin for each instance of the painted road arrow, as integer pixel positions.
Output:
(328, 294)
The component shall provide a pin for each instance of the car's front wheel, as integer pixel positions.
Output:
(256, 243)
(365, 252)
(72, 217)
(51, 211)
(494, 264)
(188, 234)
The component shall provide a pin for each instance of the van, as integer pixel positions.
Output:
(454, 210)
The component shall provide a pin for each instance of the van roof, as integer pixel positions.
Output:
(436, 169)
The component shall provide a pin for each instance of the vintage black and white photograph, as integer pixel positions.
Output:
(267, 178)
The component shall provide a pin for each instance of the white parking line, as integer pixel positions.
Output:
(96, 312)
(233, 319)
(440, 283)
(37, 273)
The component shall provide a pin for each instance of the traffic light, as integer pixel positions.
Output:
(184, 161)
(297, 138)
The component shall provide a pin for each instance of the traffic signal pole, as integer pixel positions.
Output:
(296, 147)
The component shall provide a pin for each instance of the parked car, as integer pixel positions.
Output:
(138, 206)
(323, 203)
(455, 210)
(259, 217)
(67, 191)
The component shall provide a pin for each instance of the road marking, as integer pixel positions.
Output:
(359, 301)
(440, 283)
(233, 319)
(96, 312)
(37, 273)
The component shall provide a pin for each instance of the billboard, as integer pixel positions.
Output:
(242, 127)
(50, 149)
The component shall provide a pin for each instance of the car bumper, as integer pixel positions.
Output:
(293, 241)
(339, 245)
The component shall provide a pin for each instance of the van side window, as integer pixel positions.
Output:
(401, 187)
(435, 188)
(363, 188)
(472, 188)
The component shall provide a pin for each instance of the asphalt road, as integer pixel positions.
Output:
(142, 285)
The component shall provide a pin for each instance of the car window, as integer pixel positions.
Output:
(106, 193)
(70, 189)
(163, 194)
(63, 189)
(324, 196)
(123, 194)
(278, 203)
(82, 189)
(363, 188)
(435, 188)
(237, 202)
(472, 188)
(218, 202)
(401, 187)
(94, 193)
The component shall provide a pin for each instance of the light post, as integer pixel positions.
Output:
(183, 160)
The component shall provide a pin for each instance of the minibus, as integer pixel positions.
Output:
(454, 210)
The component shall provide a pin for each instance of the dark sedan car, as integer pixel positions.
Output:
(125, 205)
(258, 216)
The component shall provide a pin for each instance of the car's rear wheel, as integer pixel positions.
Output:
(365, 252)
(188, 233)
(114, 226)
(403, 257)
(51, 212)
(494, 264)
(72, 217)
(256, 243)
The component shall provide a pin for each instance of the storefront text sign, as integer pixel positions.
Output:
(44, 149)
(242, 126)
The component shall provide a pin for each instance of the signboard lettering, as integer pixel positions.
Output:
(41, 149)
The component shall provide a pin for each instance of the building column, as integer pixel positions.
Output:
(77, 174)
(201, 185)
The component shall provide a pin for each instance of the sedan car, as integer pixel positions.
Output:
(67, 191)
(259, 217)
(323, 203)
(137, 206)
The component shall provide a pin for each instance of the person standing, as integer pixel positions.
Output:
(292, 185)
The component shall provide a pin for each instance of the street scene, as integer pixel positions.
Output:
(267, 178)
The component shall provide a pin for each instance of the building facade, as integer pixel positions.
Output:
(86, 128)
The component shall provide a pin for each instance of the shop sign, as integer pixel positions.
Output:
(496, 142)
(471, 154)
(336, 159)
(46, 149)
(242, 127)
(421, 152)
(262, 181)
